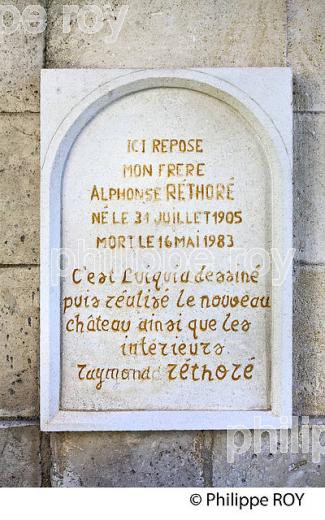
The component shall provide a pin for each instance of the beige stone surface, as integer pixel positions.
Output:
(19, 176)
(309, 187)
(309, 341)
(21, 58)
(19, 339)
(164, 33)
(306, 56)
(168, 459)
(20, 458)
(268, 467)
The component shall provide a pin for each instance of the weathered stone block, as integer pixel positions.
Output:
(168, 459)
(21, 58)
(19, 339)
(19, 174)
(306, 52)
(309, 341)
(309, 189)
(173, 34)
(20, 458)
(271, 465)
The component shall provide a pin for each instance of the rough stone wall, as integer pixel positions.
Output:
(156, 33)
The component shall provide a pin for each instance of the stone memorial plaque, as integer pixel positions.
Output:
(166, 249)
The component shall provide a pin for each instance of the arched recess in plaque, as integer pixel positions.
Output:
(228, 215)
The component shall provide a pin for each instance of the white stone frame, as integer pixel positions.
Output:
(253, 92)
